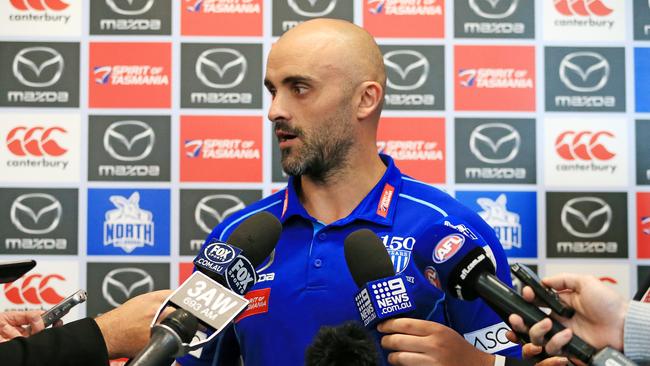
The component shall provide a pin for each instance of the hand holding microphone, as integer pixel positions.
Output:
(202, 299)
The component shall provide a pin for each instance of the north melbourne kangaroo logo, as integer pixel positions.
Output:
(128, 226)
(505, 223)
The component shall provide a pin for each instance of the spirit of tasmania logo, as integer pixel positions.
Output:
(130, 75)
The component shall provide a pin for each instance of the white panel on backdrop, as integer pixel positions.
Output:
(43, 287)
(35, 147)
(584, 20)
(40, 17)
(617, 276)
(585, 151)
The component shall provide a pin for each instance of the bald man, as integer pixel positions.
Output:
(326, 79)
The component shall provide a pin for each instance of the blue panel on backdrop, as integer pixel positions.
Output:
(513, 215)
(128, 221)
(642, 79)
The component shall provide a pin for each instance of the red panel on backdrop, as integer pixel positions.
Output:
(416, 144)
(643, 224)
(221, 149)
(426, 19)
(184, 271)
(218, 18)
(130, 75)
(494, 78)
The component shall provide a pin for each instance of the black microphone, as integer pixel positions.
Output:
(167, 339)
(346, 344)
(382, 294)
(467, 272)
(225, 271)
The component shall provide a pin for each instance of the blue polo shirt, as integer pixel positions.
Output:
(306, 283)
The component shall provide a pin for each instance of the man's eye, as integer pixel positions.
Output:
(299, 89)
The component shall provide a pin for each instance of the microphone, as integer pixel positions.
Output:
(167, 339)
(345, 344)
(203, 294)
(382, 294)
(466, 272)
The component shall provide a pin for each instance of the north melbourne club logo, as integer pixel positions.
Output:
(128, 226)
(505, 223)
(586, 222)
(36, 213)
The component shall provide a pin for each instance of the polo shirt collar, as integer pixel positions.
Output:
(378, 206)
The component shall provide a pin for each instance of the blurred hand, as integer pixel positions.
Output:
(20, 324)
(126, 329)
(422, 342)
(530, 350)
(599, 318)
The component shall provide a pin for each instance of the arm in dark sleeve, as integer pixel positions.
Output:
(77, 343)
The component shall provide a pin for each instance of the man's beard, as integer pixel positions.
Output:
(323, 151)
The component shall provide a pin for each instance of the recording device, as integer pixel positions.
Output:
(543, 293)
(167, 340)
(466, 272)
(382, 294)
(11, 271)
(59, 310)
(232, 263)
(346, 344)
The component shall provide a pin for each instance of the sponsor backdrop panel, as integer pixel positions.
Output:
(534, 113)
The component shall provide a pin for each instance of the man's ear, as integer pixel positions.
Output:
(371, 99)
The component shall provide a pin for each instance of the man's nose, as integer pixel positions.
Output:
(278, 109)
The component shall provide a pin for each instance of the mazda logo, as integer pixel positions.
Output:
(482, 142)
(129, 10)
(493, 13)
(36, 60)
(215, 208)
(584, 211)
(577, 68)
(115, 139)
(300, 10)
(37, 207)
(122, 284)
(221, 61)
(403, 64)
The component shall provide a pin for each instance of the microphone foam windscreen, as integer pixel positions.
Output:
(183, 323)
(257, 236)
(367, 257)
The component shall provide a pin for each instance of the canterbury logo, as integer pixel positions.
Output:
(39, 4)
(583, 145)
(583, 8)
(36, 141)
(34, 289)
